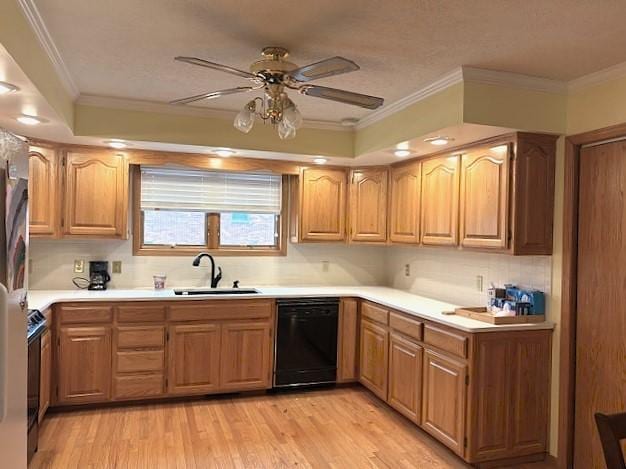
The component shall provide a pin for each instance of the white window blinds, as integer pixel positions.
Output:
(209, 191)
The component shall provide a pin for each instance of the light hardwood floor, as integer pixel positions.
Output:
(331, 428)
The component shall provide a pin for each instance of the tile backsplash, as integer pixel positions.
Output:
(450, 274)
(443, 273)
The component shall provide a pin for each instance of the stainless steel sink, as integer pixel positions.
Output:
(216, 291)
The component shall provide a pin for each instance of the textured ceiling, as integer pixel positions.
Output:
(126, 48)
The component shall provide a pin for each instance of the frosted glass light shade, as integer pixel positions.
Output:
(244, 120)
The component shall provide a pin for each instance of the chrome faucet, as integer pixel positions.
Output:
(215, 279)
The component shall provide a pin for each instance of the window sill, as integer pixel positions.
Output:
(193, 250)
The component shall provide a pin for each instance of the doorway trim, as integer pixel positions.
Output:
(567, 346)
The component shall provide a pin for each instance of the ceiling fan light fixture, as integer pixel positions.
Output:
(244, 120)
(286, 131)
(292, 115)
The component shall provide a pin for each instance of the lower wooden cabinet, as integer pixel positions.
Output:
(443, 400)
(85, 375)
(45, 374)
(374, 356)
(194, 358)
(348, 341)
(245, 361)
(405, 377)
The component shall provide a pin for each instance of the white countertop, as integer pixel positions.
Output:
(409, 303)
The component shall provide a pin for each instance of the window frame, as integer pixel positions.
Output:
(212, 229)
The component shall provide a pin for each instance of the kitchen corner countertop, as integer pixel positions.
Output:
(399, 300)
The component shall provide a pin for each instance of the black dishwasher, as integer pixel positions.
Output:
(306, 342)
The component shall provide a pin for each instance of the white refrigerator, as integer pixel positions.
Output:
(13, 307)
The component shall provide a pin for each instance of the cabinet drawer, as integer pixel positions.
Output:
(374, 313)
(140, 313)
(130, 362)
(126, 387)
(221, 309)
(140, 337)
(70, 314)
(445, 340)
(406, 326)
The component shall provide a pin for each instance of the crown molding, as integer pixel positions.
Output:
(43, 35)
(197, 111)
(446, 81)
(596, 78)
(515, 80)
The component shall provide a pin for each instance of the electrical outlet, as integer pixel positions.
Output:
(479, 282)
(79, 266)
(116, 267)
(407, 270)
(325, 266)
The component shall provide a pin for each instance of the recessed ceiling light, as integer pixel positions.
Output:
(320, 160)
(439, 140)
(402, 153)
(116, 143)
(30, 120)
(6, 88)
(224, 152)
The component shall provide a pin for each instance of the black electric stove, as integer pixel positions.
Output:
(36, 327)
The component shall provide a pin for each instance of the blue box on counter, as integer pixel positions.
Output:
(536, 298)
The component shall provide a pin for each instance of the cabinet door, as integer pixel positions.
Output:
(45, 376)
(347, 351)
(485, 198)
(443, 400)
(374, 355)
(43, 196)
(194, 358)
(245, 361)
(323, 205)
(96, 195)
(84, 364)
(440, 201)
(405, 377)
(368, 205)
(404, 204)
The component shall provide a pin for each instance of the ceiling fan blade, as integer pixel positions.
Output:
(215, 94)
(347, 97)
(218, 67)
(323, 69)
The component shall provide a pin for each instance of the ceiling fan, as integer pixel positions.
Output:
(274, 74)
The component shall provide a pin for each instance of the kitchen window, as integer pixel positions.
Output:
(183, 211)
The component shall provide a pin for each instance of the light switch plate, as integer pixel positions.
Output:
(79, 266)
(407, 270)
(325, 266)
(117, 267)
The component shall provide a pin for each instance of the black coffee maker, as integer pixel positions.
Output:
(98, 275)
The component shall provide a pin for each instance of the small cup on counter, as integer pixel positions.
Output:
(159, 281)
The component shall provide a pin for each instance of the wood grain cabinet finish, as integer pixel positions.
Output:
(374, 358)
(44, 188)
(45, 374)
(96, 195)
(533, 194)
(444, 400)
(245, 361)
(348, 340)
(510, 393)
(405, 377)
(440, 201)
(368, 205)
(404, 204)
(194, 358)
(485, 197)
(323, 194)
(84, 374)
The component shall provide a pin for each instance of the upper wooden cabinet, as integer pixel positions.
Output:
(440, 201)
(368, 205)
(96, 195)
(44, 192)
(323, 204)
(484, 197)
(404, 204)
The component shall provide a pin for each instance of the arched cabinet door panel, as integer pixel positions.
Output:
(96, 195)
(404, 204)
(440, 201)
(44, 189)
(323, 204)
(368, 205)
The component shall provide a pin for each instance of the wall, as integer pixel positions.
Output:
(52, 265)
